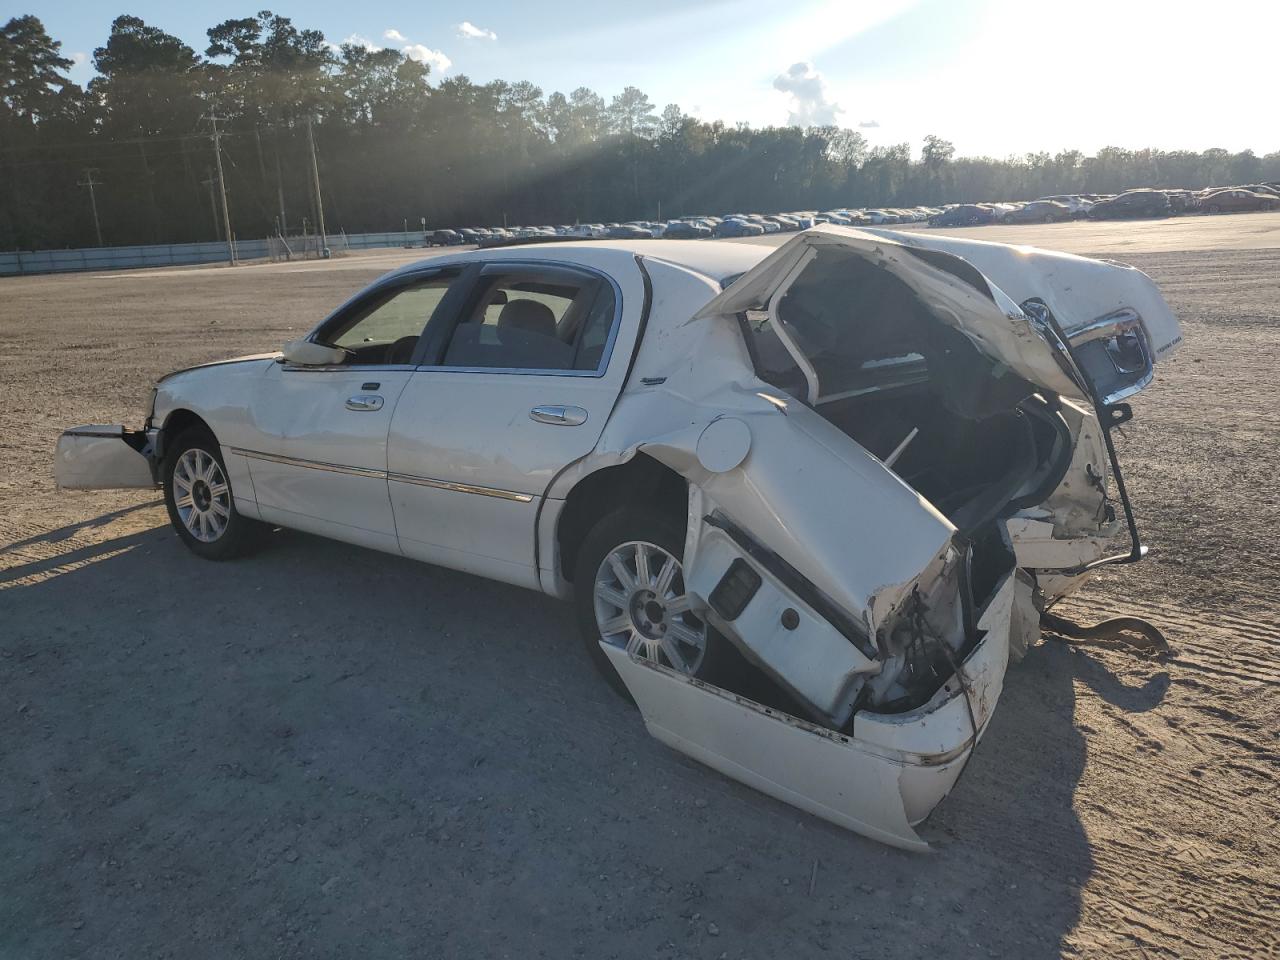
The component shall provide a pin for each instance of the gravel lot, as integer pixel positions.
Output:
(326, 752)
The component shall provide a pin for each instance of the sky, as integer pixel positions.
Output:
(995, 77)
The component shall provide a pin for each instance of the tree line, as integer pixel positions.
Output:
(393, 148)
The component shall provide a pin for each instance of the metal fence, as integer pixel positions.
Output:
(176, 254)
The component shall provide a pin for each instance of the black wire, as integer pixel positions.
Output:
(921, 627)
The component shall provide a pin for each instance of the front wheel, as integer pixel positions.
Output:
(629, 592)
(197, 494)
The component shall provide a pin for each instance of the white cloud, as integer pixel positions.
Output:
(79, 57)
(394, 35)
(807, 90)
(469, 31)
(869, 124)
(436, 59)
(356, 40)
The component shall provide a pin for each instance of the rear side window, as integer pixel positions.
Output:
(773, 361)
(535, 320)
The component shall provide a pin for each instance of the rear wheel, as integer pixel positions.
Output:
(197, 494)
(630, 593)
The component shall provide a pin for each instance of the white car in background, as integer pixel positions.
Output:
(808, 501)
(1078, 206)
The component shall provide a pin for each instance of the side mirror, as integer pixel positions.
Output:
(308, 354)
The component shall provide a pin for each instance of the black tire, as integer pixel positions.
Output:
(239, 534)
(721, 664)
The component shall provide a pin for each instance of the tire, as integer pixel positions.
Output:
(719, 662)
(207, 522)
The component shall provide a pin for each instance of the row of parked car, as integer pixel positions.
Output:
(689, 228)
(1144, 202)
(1130, 204)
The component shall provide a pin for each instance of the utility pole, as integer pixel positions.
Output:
(315, 179)
(89, 182)
(222, 185)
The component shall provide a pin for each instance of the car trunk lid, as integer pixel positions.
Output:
(976, 287)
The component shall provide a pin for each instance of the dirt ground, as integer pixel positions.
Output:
(326, 752)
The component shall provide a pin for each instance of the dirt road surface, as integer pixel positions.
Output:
(326, 752)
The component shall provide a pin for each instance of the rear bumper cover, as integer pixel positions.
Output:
(880, 781)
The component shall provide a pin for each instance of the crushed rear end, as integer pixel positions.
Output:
(878, 515)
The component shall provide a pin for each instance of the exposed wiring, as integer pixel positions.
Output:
(921, 628)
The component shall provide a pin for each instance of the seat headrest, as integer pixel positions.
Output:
(530, 316)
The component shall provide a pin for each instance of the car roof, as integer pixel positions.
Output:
(718, 260)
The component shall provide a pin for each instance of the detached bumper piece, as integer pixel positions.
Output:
(103, 457)
(880, 781)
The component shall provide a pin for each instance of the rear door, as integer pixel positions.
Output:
(518, 379)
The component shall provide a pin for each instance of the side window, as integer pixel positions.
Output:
(534, 319)
(385, 330)
(773, 361)
(596, 328)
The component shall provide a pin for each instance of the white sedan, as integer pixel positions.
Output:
(808, 501)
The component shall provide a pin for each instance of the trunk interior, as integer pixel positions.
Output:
(969, 435)
(971, 470)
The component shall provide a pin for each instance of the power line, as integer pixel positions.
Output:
(96, 142)
(89, 182)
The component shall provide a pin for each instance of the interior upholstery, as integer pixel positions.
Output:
(530, 316)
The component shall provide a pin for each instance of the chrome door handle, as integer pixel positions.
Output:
(558, 414)
(364, 401)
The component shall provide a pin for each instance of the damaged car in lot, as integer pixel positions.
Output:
(808, 501)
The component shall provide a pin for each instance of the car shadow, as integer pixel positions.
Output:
(71, 529)
(318, 743)
(1098, 677)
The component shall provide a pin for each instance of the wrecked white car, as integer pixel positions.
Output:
(808, 501)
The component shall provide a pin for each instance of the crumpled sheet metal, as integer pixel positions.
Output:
(879, 782)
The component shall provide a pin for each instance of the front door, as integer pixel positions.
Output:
(324, 468)
(518, 383)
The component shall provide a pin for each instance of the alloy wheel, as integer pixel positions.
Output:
(641, 605)
(201, 495)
